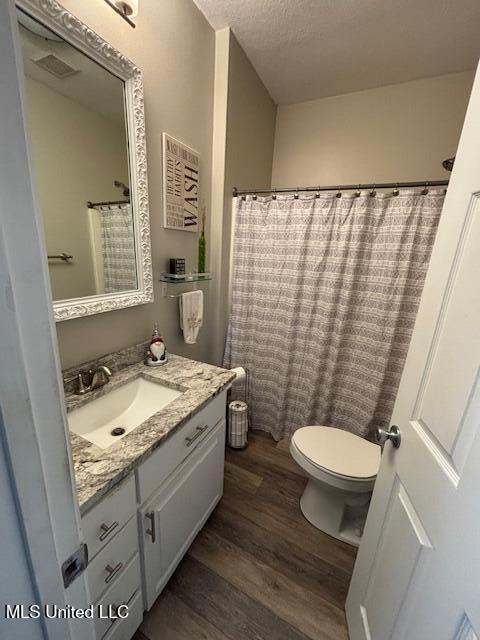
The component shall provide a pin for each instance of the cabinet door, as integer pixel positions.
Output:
(170, 522)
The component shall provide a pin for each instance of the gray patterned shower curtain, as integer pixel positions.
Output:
(118, 248)
(324, 296)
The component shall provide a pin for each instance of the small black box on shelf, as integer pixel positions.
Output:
(177, 266)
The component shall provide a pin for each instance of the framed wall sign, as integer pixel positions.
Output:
(181, 185)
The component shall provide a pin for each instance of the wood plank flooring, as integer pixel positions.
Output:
(258, 570)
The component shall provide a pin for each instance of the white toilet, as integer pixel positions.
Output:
(342, 469)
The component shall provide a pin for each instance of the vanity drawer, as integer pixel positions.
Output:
(100, 524)
(110, 563)
(125, 629)
(118, 594)
(178, 447)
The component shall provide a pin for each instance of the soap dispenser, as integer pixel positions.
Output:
(157, 353)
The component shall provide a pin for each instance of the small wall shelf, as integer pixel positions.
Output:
(173, 278)
(184, 278)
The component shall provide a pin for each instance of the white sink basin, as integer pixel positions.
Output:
(125, 407)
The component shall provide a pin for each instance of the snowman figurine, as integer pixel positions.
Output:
(157, 353)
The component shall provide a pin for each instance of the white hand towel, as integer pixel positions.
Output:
(191, 315)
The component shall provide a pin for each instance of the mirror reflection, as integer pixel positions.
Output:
(79, 149)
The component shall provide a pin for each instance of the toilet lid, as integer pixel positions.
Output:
(338, 451)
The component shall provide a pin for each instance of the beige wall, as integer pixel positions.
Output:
(250, 125)
(249, 144)
(394, 133)
(174, 46)
(65, 137)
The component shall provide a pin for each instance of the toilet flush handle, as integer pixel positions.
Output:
(393, 434)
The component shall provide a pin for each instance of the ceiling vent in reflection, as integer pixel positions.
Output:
(55, 65)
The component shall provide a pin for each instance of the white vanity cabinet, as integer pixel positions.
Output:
(171, 516)
(139, 532)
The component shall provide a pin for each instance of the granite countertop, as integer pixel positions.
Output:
(98, 470)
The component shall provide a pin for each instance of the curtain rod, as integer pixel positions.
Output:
(344, 187)
(121, 13)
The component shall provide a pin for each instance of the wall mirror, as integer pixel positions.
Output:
(85, 120)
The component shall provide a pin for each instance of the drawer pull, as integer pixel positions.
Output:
(107, 530)
(116, 608)
(112, 571)
(199, 430)
(151, 532)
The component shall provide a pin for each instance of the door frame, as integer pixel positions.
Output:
(33, 427)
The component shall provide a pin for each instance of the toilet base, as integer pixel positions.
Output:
(341, 514)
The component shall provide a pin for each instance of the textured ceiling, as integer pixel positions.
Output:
(307, 49)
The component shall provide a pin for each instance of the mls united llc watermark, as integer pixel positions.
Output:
(53, 612)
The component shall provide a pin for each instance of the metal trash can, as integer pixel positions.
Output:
(237, 424)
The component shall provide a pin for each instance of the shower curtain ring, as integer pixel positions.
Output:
(373, 193)
(358, 192)
(395, 192)
(339, 193)
(425, 189)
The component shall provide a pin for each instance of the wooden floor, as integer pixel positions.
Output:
(258, 570)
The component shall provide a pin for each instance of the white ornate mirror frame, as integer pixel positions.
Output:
(52, 15)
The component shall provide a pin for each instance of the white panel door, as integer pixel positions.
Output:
(417, 575)
(39, 515)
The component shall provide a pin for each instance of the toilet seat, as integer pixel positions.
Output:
(339, 453)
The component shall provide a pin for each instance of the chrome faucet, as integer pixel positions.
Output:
(97, 378)
(100, 376)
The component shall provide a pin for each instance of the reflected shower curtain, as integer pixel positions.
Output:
(324, 296)
(118, 248)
